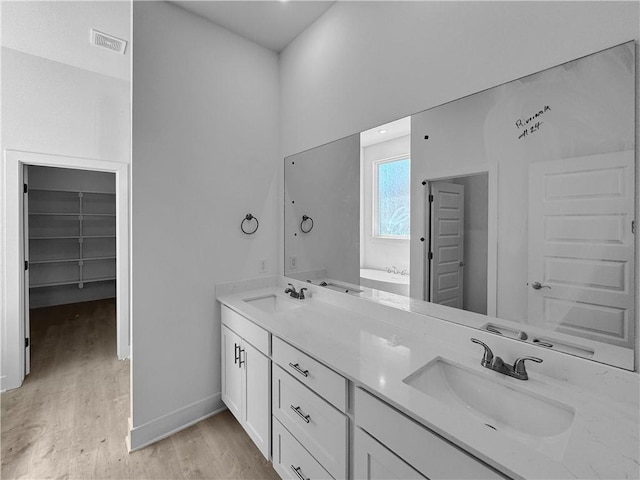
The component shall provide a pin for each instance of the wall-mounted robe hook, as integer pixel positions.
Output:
(308, 222)
(248, 219)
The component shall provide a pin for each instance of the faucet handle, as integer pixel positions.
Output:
(301, 297)
(519, 367)
(487, 358)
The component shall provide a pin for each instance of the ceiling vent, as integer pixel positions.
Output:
(108, 41)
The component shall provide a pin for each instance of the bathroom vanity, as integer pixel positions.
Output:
(335, 386)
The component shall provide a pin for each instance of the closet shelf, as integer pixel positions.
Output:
(101, 279)
(91, 192)
(73, 214)
(61, 223)
(73, 282)
(72, 237)
(70, 260)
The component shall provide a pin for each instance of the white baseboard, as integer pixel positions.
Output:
(8, 383)
(162, 427)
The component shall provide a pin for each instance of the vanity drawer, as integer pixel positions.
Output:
(252, 333)
(316, 424)
(290, 458)
(425, 451)
(331, 386)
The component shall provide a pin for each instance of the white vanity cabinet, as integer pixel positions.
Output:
(291, 460)
(246, 376)
(297, 411)
(405, 448)
(374, 461)
(310, 403)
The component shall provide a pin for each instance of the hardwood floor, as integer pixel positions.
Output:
(69, 418)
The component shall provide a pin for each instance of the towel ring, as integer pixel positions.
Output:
(248, 218)
(305, 219)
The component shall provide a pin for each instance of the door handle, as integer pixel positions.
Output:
(298, 472)
(236, 355)
(240, 361)
(297, 368)
(306, 418)
(538, 286)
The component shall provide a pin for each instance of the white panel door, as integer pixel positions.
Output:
(231, 372)
(447, 244)
(581, 246)
(256, 409)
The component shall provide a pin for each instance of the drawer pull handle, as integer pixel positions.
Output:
(298, 472)
(297, 368)
(306, 418)
(236, 355)
(240, 361)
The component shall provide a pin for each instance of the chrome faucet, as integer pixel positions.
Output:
(292, 292)
(392, 269)
(518, 370)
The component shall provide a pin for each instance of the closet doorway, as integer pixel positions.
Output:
(60, 269)
(70, 248)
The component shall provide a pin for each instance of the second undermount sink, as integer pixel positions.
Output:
(537, 421)
(273, 303)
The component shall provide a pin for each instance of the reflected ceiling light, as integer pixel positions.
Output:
(382, 131)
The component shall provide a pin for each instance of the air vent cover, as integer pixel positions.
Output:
(108, 41)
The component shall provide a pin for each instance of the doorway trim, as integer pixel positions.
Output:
(12, 294)
(492, 226)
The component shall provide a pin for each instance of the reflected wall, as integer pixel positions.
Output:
(323, 184)
(558, 151)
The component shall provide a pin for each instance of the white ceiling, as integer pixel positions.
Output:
(388, 131)
(272, 24)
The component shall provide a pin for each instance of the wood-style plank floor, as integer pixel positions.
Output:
(69, 418)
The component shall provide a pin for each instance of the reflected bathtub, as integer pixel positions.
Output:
(381, 280)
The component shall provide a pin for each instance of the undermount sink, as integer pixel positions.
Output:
(273, 303)
(539, 422)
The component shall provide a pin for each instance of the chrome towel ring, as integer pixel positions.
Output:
(248, 219)
(306, 220)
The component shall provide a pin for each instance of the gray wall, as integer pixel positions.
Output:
(324, 183)
(205, 153)
(364, 64)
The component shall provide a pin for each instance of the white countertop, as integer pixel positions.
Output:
(376, 354)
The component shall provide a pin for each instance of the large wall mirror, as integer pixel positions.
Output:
(511, 210)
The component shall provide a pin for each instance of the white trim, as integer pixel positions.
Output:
(12, 280)
(492, 226)
(173, 422)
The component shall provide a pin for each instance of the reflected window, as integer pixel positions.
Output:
(392, 196)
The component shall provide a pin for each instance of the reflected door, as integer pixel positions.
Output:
(447, 241)
(581, 246)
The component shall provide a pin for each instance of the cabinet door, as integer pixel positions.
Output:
(231, 372)
(373, 461)
(291, 460)
(256, 408)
